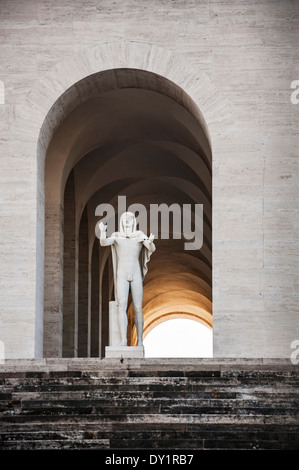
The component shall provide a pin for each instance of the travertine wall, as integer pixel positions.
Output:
(236, 60)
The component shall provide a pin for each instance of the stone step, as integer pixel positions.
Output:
(56, 445)
(130, 401)
(147, 367)
(121, 413)
(91, 429)
(81, 363)
(86, 432)
(118, 395)
(147, 386)
(152, 372)
(282, 396)
(55, 404)
(195, 444)
(204, 444)
(169, 420)
(149, 381)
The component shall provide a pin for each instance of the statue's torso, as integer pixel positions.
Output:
(128, 251)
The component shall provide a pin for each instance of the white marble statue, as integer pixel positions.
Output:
(131, 251)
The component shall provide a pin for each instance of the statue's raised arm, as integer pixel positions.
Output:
(104, 241)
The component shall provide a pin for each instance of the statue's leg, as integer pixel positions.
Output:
(137, 293)
(122, 299)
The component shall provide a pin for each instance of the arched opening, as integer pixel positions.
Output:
(132, 133)
(179, 337)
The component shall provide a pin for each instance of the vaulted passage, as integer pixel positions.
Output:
(130, 133)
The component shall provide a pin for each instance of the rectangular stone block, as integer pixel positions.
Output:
(239, 169)
(280, 224)
(114, 331)
(238, 199)
(247, 225)
(279, 170)
(238, 255)
(124, 352)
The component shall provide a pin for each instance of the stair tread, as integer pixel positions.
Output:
(149, 444)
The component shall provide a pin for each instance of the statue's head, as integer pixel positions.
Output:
(127, 222)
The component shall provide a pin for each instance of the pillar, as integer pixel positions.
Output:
(69, 263)
(83, 287)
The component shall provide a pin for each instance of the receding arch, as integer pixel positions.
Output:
(104, 140)
(171, 82)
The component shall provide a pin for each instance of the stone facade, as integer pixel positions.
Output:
(236, 61)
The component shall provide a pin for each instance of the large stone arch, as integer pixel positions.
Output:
(44, 111)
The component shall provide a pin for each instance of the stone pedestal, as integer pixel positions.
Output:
(125, 352)
(114, 350)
